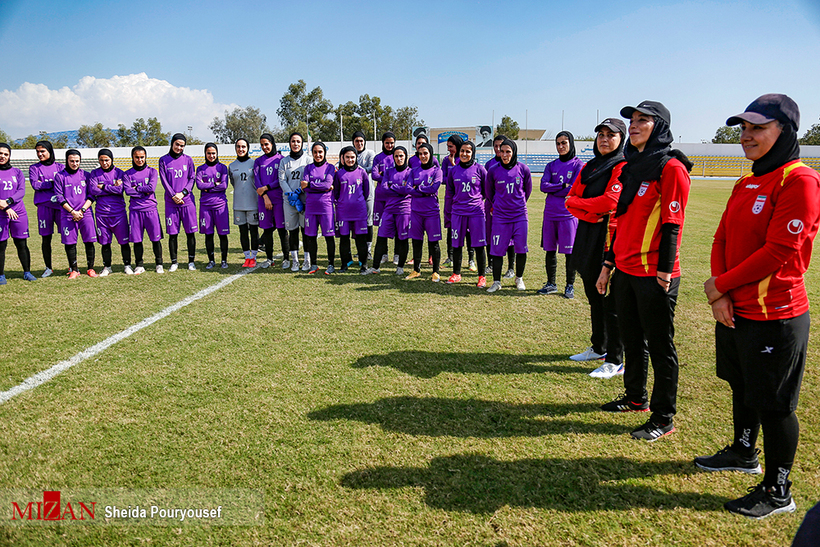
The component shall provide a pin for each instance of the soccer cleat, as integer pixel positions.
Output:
(266, 263)
(330, 269)
(28, 277)
(191, 267)
(105, 272)
(455, 278)
(482, 282)
(47, 272)
(625, 404)
(161, 270)
(409, 262)
(587, 355)
(472, 266)
(607, 370)
(488, 270)
(370, 270)
(210, 265)
(294, 267)
(495, 286)
(344, 269)
(569, 292)
(306, 264)
(3, 279)
(548, 288)
(313, 269)
(173, 268)
(413, 275)
(364, 271)
(510, 274)
(762, 502)
(91, 272)
(430, 261)
(435, 278)
(399, 271)
(447, 262)
(651, 432)
(395, 260)
(519, 284)
(285, 264)
(129, 270)
(729, 460)
(251, 263)
(384, 259)
(224, 265)
(73, 274)
(139, 270)
(245, 264)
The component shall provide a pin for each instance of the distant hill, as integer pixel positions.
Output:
(70, 135)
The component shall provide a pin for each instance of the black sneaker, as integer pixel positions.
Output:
(625, 404)
(548, 288)
(650, 431)
(729, 460)
(569, 292)
(761, 502)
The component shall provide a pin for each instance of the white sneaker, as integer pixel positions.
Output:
(294, 267)
(399, 271)
(587, 355)
(105, 272)
(139, 270)
(488, 270)
(47, 272)
(265, 263)
(372, 271)
(173, 268)
(384, 259)
(129, 270)
(471, 266)
(519, 284)
(395, 260)
(607, 370)
(495, 286)
(306, 263)
(191, 267)
(510, 274)
(161, 270)
(285, 264)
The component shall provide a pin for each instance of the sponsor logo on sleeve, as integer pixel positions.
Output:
(616, 187)
(674, 206)
(758, 204)
(795, 226)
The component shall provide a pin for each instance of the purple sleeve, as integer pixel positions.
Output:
(547, 186)
(163, 178)
(449, 191)
(34, 178)
(109, 187)
(202, 184)
(128, 185)
(432, 185)
(59, 188)
(489, 187)
(20, 189)
(320, 185)
(337, 187)
(189, 185)
(257, 180)
(527, 182)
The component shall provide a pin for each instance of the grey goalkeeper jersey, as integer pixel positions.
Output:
(290, 173)
(240, 173)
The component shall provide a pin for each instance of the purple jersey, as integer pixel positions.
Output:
(212, 180)
(508, 190)
(12, 189)
(177, 175)
(447, 164)
(266, 174)
(72, 188)
(319, 191)
(414, 162)
(466, 186)
(141, 186)
(41, 178)
(397, 186)
(556, 182)
(492, 162)
(424, 190)
(108, 188)
(381, 163)
(350, 192)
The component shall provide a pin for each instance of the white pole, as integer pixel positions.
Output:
(526, 131)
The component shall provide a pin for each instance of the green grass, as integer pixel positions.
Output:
(373, 411)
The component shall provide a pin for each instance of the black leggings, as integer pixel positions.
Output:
(223, 246)
(312, 248)
(433, 248)
(125, 249)
(552, 266)
(520, 263)
(139, 250)
(253, 243)
(46, 247)
(267, 242)
(361, 249)
(22, 253)
(402, 247)
(173, 245)
(293, 237)
(71, 254)
(458, 253)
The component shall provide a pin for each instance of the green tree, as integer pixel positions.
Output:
(31, 141)
(308, 108)
(812, 135)
(5, 137)
(142, 133)
(94, 136)
(243, 123)
(508, 127)
(727, 135)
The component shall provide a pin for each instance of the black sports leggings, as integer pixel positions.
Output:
(435, 252)
(139, 251)
(247, 244)
(173, 246)
(458, 254)
(361, 249)
(71, 254)
(223, 246)
(125, 249)
(551, 265)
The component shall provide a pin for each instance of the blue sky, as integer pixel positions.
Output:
(78, 62)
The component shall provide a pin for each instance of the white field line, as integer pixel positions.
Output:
(46, 375)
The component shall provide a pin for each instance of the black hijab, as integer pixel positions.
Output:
(596, 173)
(216, 160)
(571, 154)
(457, 142)
(429, 163)
(471, 144)
(107, 152)
(404, 165)
(514, 158)
(134, 165)
(6, 166)
(342, 153)
(72, 152)
(324, 158)
(246, 157)
(176, 137)
(269, 137)
(784, 150)
(296, 155)
(385, 136)
(47, 145)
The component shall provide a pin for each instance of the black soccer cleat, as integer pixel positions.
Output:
(761, 502)
(729, 460)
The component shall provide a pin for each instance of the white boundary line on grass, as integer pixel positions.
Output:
(44, 376)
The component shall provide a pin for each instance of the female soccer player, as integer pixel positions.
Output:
(592, 200)
(317, 183)
(271, 211)
(454, 143)
(508, 187)
(107, 186)
(245, 202)
(558, 228)
(41, 177)
(212, 180)
(177, 174)
(424, 211)
(351, 190)
(140, 185)
(13, 216)
(465, 183)
(645, 249)
(71, 191)
(291, 168)
(381, 162)
(396, 216)
(761, 250)
(488, 212)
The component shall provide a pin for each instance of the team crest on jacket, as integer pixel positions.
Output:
(758, 205)
(642, 189)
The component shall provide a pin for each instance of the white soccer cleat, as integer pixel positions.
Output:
(47, 272)
(399, 271)
(105, 272)
(285, 264)
(395, 260)
(306, 263)
(265, 264)
(294, 267)
(587, 355)
(495, 286)
(129, 270)
(519, 284)
(173, 267)
(510, 274)
(607, 370)
(191, 267)
(160, 269)
(139, 270)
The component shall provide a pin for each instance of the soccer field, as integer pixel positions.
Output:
(370, 410)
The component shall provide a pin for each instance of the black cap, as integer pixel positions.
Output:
(653, 108)
(767, 108)
(612, 123)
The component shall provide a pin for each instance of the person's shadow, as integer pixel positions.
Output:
(476, 483)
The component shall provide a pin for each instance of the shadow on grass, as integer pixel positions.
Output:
(428, 364)
(478, 484)
(439, 417)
